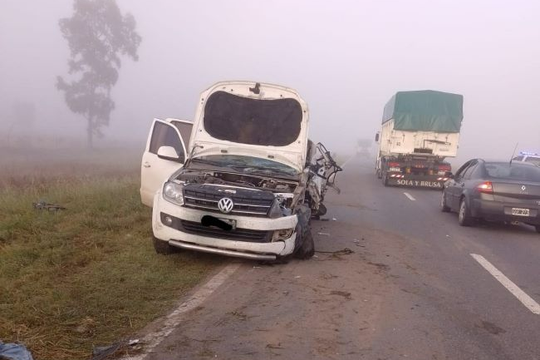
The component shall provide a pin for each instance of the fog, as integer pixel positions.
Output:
(345, 58)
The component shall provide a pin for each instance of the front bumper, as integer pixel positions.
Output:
(500, 211)
(219, 245)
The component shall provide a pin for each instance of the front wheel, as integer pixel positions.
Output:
(162, 247)
(537, 227)
(464, 215)
(307, 249)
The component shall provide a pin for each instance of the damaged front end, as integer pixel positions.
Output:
(224, 209)
(252, 180)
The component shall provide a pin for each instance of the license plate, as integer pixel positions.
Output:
(231, 222)
(520, 212)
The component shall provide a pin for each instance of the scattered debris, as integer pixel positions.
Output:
(323, 234)
(345, 294)
(297, 277)
(345, 251)
(104, 352)
(43, 205)
(13, 351)
(334, 219)
(356, 242)
(325, 219)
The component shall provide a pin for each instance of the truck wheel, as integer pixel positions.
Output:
(537, 228)
(464, 215)
(162, 247)
(307, 249)
(384, 179)
(379, 175)
(444, 207)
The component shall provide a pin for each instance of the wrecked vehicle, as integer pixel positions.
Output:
(246, 182)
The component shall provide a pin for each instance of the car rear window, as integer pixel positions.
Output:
(512, 171)
(533, 160)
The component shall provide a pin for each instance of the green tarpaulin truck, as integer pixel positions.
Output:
(419, 130)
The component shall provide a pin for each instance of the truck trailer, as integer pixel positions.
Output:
(420, 129)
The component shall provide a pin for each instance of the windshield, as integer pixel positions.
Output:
(247, 164)
(252, 121)
(515, 171)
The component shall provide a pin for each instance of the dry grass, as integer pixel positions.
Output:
(87, 275)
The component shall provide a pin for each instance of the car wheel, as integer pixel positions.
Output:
(162, 247)
(537, 227)
(444, 207)
(464, 215)
(307, 249)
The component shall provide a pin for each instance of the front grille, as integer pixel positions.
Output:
(246, 202)
(236, 234)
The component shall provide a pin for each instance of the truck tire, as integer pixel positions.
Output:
(444, 207)
(379, 175)
(384, 178)
(464, 214)
(162, 247)
(307, 249)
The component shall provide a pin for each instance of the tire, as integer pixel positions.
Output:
(384, 178)
(537, 228)
(162, 247)
(379, 174)
(464, 214)
(444, 207)
(307, 249)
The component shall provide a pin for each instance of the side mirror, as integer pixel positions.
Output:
(377, 137)
(168, 153)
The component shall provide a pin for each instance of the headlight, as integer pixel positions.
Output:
(282, 234)
(173, 192)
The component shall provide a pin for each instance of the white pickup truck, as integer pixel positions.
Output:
(242, 180)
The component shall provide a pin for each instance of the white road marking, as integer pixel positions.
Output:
(151, 341)
(409, 196)
(509, 285)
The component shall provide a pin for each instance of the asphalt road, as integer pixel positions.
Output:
(408, 289)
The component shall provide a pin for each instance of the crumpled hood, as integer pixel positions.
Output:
(253, 119)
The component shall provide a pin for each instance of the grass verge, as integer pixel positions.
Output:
(87, 275)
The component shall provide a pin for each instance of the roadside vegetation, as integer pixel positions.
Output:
(87, 275)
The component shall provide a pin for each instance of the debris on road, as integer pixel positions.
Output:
(323, 234)
(345, 251)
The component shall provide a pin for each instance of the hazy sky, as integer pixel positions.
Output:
(346, 58)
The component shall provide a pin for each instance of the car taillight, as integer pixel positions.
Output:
(393, 164)
(485, 187)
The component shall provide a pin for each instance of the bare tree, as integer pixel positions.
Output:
(98, 35)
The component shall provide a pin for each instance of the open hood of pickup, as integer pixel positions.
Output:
(240, 118)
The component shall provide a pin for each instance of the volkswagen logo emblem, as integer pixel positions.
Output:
(225, 205)
(523, 188)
